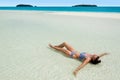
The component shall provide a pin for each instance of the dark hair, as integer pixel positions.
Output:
(96, 61)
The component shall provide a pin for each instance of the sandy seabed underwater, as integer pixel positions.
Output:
(25, 54)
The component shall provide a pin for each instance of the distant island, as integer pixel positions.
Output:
(84, 5)
(24, 5)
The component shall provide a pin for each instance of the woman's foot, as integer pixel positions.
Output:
(51, 46)
(54, 47)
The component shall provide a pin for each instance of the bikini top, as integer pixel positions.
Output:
(82, 56)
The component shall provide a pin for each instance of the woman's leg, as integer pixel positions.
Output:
(67, 52)
(66, 45)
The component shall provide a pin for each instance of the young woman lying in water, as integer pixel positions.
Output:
(82, 56)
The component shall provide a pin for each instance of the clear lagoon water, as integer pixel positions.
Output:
(25, 35)
(71, 9)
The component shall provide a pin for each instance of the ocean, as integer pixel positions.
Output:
(68, 9)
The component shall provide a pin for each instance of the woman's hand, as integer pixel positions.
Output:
(75, 73)
(106, 53)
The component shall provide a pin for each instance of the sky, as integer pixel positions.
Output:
(59, 2)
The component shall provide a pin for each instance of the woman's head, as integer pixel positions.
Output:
(95, 59)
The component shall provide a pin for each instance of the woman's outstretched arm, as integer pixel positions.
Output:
(85, 62)
(100, 55)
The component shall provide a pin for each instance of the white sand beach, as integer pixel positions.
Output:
(25, 35)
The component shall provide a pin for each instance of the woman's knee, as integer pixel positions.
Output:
(64, 43)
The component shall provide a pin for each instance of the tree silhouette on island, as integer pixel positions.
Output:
(79, 5)
(24, 5)
(84, 5)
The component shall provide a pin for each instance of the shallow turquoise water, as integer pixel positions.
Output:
(71, 9)
(25, 55)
